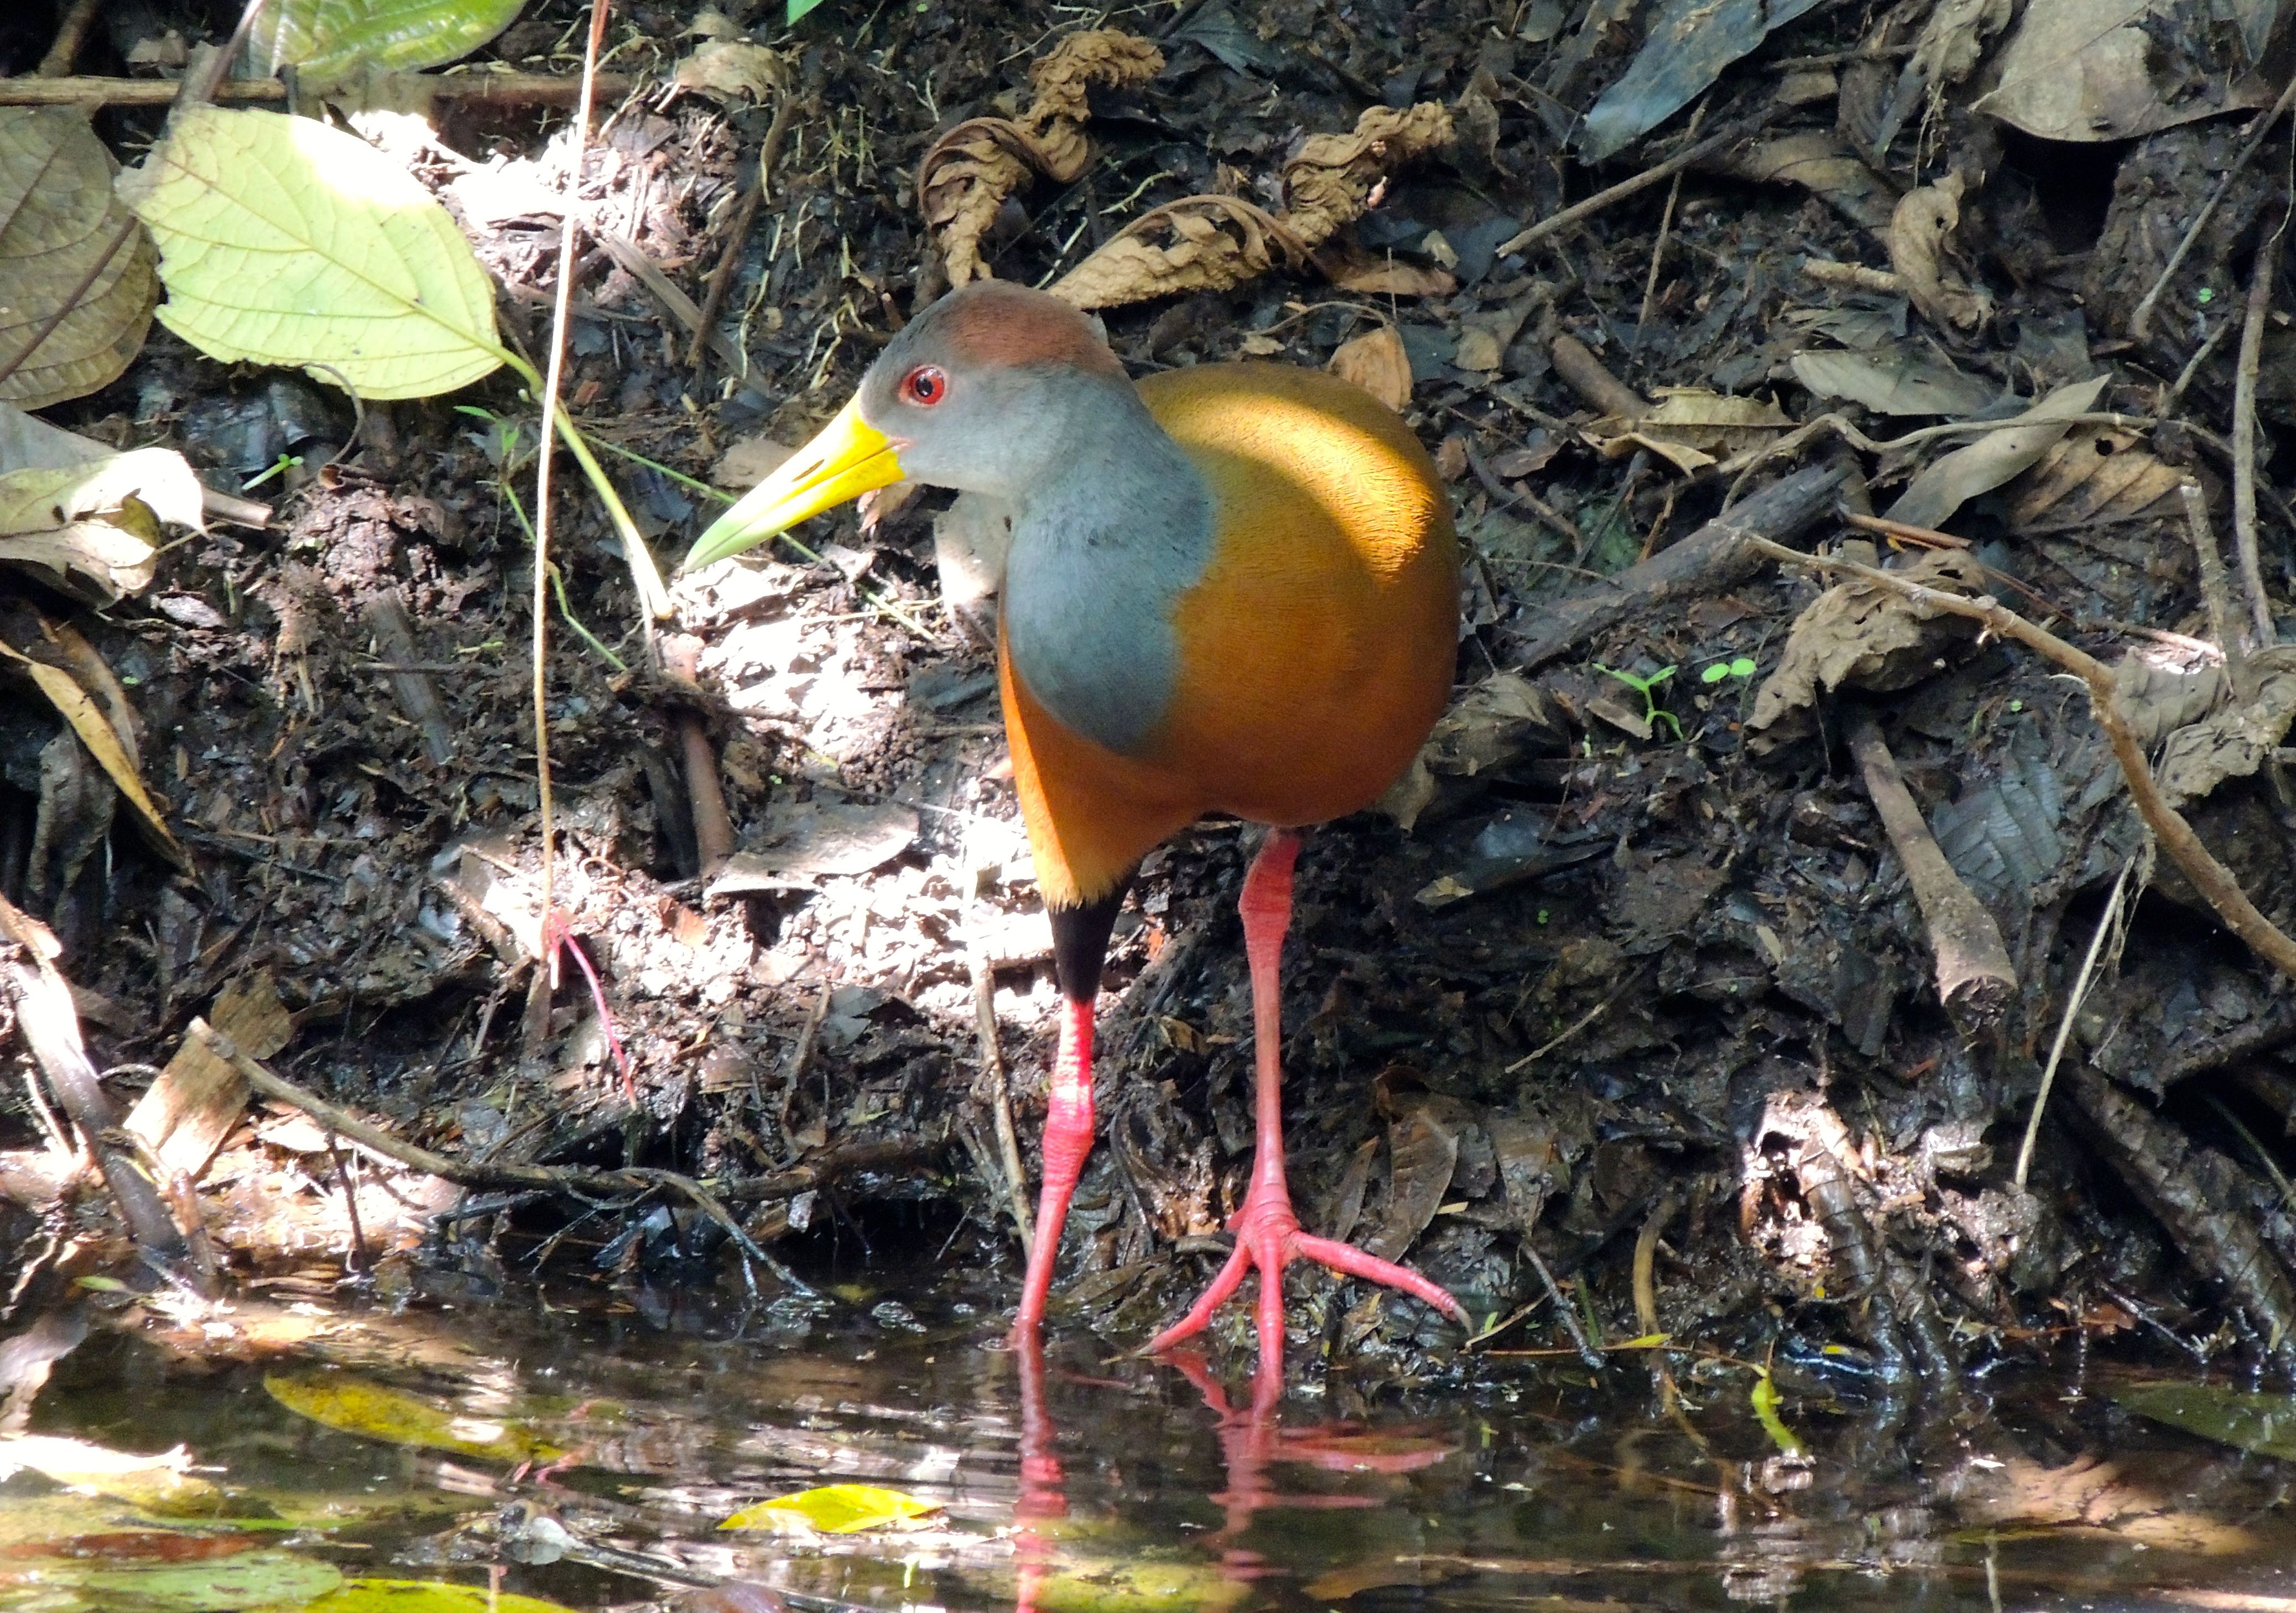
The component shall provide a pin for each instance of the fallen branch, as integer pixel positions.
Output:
(1975, 980)
(1711, 558)
(2209, 877)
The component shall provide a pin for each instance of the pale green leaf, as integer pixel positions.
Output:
(284, 242)
(835, 1508)
(326, 39)
(798, 8)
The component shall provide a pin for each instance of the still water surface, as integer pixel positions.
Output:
(583, 1447)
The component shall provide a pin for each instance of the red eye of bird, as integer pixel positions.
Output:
(924, 385)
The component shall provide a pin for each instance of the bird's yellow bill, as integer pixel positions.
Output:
(847, 459)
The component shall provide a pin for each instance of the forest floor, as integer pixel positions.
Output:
(1630, 1002)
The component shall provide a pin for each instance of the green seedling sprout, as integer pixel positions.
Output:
(1739, 666)
(1646, 687)
(279, 467)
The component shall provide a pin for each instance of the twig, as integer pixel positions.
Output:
(705, 791)
(1000, 1092)
(50, 1027)
(554, 368)
(557, 1179)
(2214, 596)
(69, 33)
(2108, 923)
(1587, 1353)
(2209, 877)
(1586, 375)
(417, 696)
(799, 1056)
(1665, 232)
(1710, 558)
(1857, 276)
(1578, 211)
(721, 278)
(1975, 980)
(2140, 322)
(512, 89)
(2244, 435)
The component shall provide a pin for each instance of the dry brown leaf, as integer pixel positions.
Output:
(1930, 498)
(1376, 362)
(1198, 244)
(1326, 185)
(968, 173)
(59, 218)
(1690, 428)
(2231, 742)
(1818, 161)
(1209, 243)
(1352, 270)
(1923, 222)
(94, 730)
(1869, 636)
(728, 70)
(2096, 475)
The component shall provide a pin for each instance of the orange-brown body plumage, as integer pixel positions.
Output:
(1315, 651)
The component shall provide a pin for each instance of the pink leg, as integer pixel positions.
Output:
(1068, 1139)
(1268, 1234)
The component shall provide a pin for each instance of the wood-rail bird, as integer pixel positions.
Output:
(1230, 588)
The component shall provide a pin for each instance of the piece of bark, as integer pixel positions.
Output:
(186, 1115)
(1975, 980)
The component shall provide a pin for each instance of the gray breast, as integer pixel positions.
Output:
(1089, 593)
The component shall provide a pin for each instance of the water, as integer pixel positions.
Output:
(1095, 1485)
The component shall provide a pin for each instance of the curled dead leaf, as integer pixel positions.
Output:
(1209, 243)
(1328, 182)
(1919, 229)
(1198, 244)
(968, 173)
(1376, 362)
(1867, 636)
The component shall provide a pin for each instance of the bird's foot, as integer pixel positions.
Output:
(1268, 1238)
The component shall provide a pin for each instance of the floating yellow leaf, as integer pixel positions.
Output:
(834, 1508)
(285, 241)
(356, 1406)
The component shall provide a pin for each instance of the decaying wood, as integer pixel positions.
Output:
(1975, 980)
(2187, 1189)
(1712, 558)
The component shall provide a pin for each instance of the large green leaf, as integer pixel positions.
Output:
(326, 39)
(284, 242)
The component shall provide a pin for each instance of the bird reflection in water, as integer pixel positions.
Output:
(1251, 1439)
